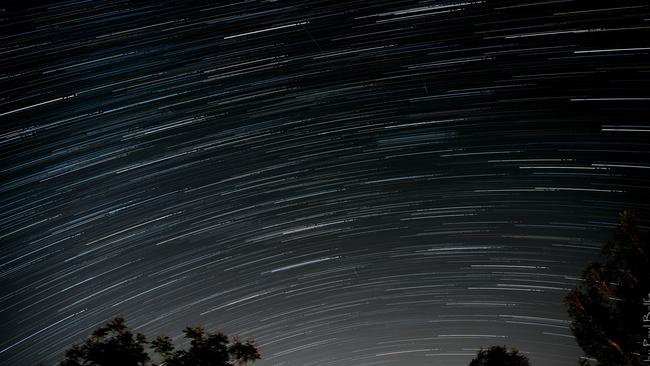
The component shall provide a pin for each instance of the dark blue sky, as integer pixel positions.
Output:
(350, 183)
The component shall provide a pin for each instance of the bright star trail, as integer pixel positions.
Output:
(349, 183)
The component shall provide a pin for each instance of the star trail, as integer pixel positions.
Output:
(346, 182)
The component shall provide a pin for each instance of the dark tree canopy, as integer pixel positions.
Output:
(606, 308)
(112, 344)
(206, 349)
(115, 344)
(499, 356)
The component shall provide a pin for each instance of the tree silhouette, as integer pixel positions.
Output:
(206, 349)
(116, 345)
(499, 356)
(112, 344)
(606, 308)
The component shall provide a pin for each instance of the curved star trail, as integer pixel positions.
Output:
(350, 183)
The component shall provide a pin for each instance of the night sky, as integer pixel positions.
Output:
(347, 182)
